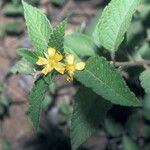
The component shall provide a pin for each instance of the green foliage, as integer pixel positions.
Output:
(129, 144)
(29, 55)
(142, 52)
(37, 99)
(105, 80)
(134, 34)
(133, 125)
(99, 75)
(39, 28)
(4, 103)
(58, 2)
(15, 28)
(144, 78)
(2, 31)
(2, 87)
(57, 37)
(147, 147)
(113, 128)
(12, 10)
(147, 106)
(35, 102)
(52, 87)
(16, 2)
(23, 66)
(114, 22)
(64, 108)
(5, 145)
(33, 1)
(80, 43)
(87, 108)
(47, 102)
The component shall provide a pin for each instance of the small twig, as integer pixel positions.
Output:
(132, 63)
(113, 57)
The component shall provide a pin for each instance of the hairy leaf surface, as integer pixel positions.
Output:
(89, 111)
(39, 28)
(29, 55)
(35, 102)
(105, 80)
(145, 78)
(80, 43)
(129, 144)
(114, 22)
(23, 67)
(57, 36)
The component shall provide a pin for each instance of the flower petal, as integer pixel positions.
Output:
(51, 52)
(58, 57)
(70, 59)
(80, 66)
(48, 68)
(70, 76)
(60, 67)
(42, 61)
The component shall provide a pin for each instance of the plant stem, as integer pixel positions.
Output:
(132, 63)
(113, 57)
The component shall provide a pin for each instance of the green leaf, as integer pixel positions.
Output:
(39, 28)
(58, 2)
(5, 144)
(80, 43)
(129, 144)
(4, 101)
(89, 111)
(105, 80)
(35, 103)
(113, 128)
(57, 37)
(33, 2)
(134, 35)
(147, 147)
(64, 107)
(23, 67)
(13, 10)
(47, 102)
(147, 106)
(2, 31)
(141, 52)
(133, 125)
(114, 22)
(52, 88)
(29, 55)
(145, 80)
(15, 28)
(2, 86)
(37, 97)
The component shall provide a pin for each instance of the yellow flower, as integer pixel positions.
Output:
(71, 66)
(51, 62)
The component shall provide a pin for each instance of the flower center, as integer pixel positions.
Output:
(51, 61)
(70, 67)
